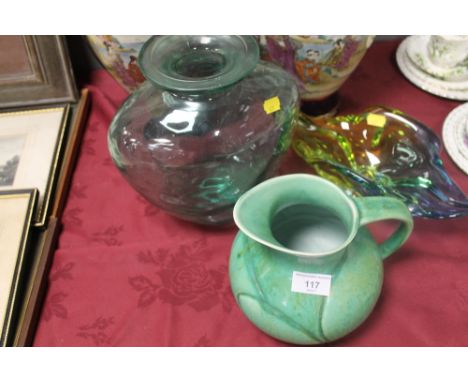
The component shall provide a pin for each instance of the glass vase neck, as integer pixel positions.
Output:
(198, 63)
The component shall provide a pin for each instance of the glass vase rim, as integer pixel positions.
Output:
(248, 59)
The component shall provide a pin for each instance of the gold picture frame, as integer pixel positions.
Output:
(17, 212)
(30, 147)
(44, 241)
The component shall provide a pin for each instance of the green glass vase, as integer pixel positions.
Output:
(210, 122)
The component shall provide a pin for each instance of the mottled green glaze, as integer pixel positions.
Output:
(261, 267)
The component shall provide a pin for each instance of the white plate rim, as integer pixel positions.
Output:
(455, 120)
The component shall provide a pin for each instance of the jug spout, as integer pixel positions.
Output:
(298, 214)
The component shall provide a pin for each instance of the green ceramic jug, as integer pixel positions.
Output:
(303, 267)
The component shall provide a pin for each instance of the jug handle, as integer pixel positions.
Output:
(376, 208)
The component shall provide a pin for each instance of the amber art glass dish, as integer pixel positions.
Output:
(382, 152)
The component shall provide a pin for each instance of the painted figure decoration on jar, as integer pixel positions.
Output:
(320, 65)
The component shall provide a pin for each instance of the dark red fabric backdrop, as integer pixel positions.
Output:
(127, 274)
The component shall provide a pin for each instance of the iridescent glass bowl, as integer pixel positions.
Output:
(210, 121)
(382, 152)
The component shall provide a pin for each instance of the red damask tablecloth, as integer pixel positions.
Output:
(127, 274)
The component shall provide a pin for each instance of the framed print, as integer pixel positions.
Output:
(15, 221)
(43, 243)
(35, 70)
(30, 143)
(41, 253)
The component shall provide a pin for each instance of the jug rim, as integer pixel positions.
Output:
(282, 248)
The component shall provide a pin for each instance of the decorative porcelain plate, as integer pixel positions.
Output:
(455, 136)
(118, 54)
(457, 90)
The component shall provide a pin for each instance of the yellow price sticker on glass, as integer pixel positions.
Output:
(376, 120)
(271, 105)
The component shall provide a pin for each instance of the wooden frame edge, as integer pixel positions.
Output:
(11, 312)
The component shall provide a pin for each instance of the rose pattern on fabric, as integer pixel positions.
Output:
(54, 307)
(461, 293)
(96, 331)
(192, 284)
(146, 288)
(62, 272)
(183, 277)
(72, 217)
(88, 146)
(108, 162)
(203, 341)
(109, 236)
(79, 191)
(149, 209)
(54, 304)
(94, 127)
